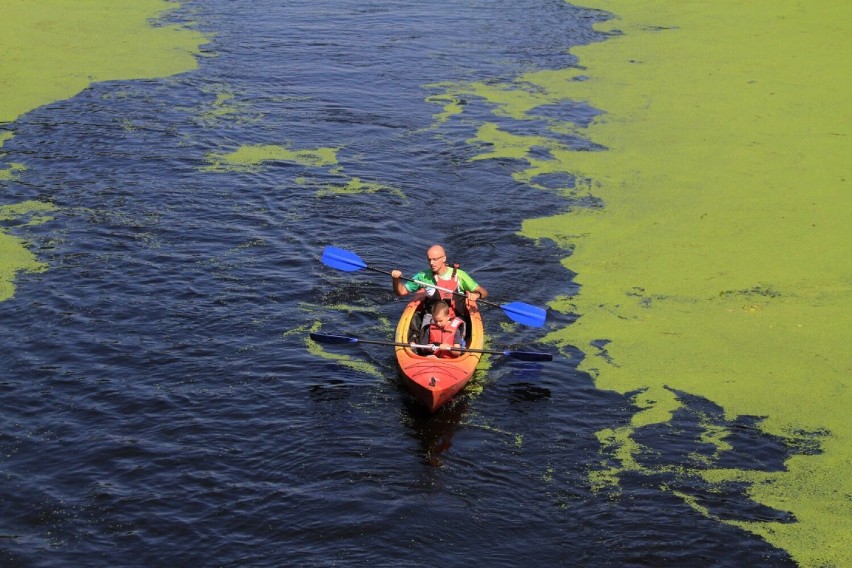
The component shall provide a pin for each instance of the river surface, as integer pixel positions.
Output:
(161, 402)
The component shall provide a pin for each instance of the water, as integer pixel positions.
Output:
(160, 405)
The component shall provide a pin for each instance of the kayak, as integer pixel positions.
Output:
(432, 380)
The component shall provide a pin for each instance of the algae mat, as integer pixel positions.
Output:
(719, 264)
(708, 230)
(52, 49)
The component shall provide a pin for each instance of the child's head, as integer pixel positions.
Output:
(441, 313)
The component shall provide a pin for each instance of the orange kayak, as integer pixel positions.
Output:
(432, 380)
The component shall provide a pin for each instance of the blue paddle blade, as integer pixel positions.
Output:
(525, 313)
(323, 338)
(342, 259)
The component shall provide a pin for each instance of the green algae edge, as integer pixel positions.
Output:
(10, 171)
(95, 42)
(718, 265)
(14, 256)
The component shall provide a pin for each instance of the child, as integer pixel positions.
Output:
(444, 331)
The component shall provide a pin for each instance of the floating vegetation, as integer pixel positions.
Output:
(14, 255)
(252, 157)
(705, 262)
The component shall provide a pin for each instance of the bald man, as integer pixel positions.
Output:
(441, 275)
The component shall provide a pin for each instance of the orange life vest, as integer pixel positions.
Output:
(451, 283)
(439, 335)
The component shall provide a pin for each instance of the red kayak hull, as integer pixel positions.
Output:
(435, 381)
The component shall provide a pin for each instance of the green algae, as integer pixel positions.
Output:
(251, 157)
(343, 360)
(724, 190)
(452, 106)
(356, 363)
(355, 186)
(14, 256)
(499, 144)
(227, 106)
(718, 265)
(340, 359)
(94, 41)
(384, 327)
(11, 171)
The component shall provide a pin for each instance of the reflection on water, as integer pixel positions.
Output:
(525, 392)
(435, 432)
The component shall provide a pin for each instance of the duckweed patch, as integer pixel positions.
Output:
(708, 208)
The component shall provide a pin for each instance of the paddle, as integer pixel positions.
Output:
(342, 339)
(350, 262)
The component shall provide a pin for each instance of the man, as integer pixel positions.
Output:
(458, 286)
(440, 275)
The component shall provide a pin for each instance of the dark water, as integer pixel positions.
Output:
(159, 403)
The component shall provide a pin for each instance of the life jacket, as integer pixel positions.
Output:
(451, 283)
(439, 335)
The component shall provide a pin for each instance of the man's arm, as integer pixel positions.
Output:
(398, 285)
(469, 286)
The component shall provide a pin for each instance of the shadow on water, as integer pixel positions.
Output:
(528, 392)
